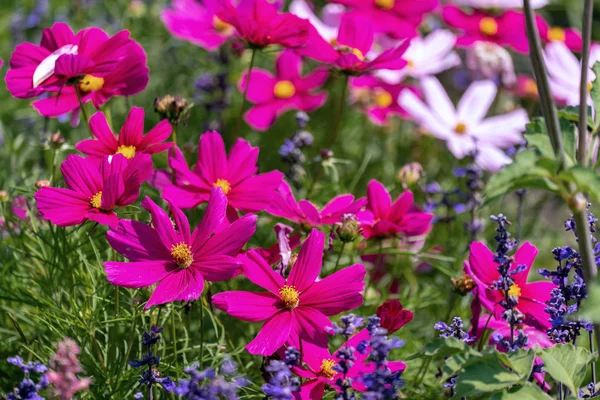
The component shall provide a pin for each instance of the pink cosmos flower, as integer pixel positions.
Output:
(569, 36)
(350, 50)
(499, 4)
(259, 23)
(526, 87)
(398, 18)
(104, 66)
(532, 296)
(93, 190)
(331, 15)
(318, 369)
(235, 174)
(378, 99)
(166, 253)
(561, 65)
(506, 29)
(389, 218)
(197, 22)
(295, 308)
(288, 90)
(465, 128)
(304, 212)
(425, 56)
(131, 141)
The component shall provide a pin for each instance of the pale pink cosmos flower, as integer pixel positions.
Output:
(488, 60)
(562, 66)
(197, 22)
(499, 4)
(569, 36)
(305, 213)
(329, 24)
(287, 90)
(293, 308)
(425, 56)
(378, 99)
(236, 174)
(465, 128)
(64, 367)
(169, 254)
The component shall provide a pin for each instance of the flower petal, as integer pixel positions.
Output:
(247, 306)
(310, 259)
(273, 334)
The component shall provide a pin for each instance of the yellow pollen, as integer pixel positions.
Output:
(182, 254)
(96, 200)
(91, 83)
(460, 128)
(514, 290)
(127, 151)
(488, 26)
(383, 98)
(220, 25)
(223, 184)
(410, 63)
(385, 4)
(531, 87)
(333, 42)
(358, 54)
(327, 371)
(556, 34)
(284, 90)
(589, 87)
(289, 296)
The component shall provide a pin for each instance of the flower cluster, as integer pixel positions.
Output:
(455, 330)
(28, 389)
(291, 151)
(210, 384)
(152, 375)
(64, 367)
(282, 384)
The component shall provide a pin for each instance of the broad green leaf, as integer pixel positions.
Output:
(589, 308)
(501, 181)
(566, 363)
(520, 362)
(527, 392)
(585, 179)
(444, 347)
(568, 135)
(595, 91)
(571, 113)
(486, 375)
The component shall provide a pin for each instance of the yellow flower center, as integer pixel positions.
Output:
(127, 151)
(289, 296)
(531, 87)
(223, 184)
(460, 128)
(327, 368)
(488, 26)
(91, 83)
(556, 34)
(383, 98)
(182, 254)
(410, 63)
(385, 4)
(96, 200)
(220, 25)
(358, 54)
(514, 290)
(589, 87)
(284, 90)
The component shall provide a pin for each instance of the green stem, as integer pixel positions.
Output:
(337, 262)
(588, 10)
(174, 149)
(174, 334)
(82, 108)
(340, 113)
(238, 123)
(201, 332)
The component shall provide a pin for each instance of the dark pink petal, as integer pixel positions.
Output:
(256, 269)
(105, 142)
(310, 259)
(382, 228)
(288, 66)
(261, 117)
(247, 306)
(313, 355)
(184, 197)
(241, 162)
(379, 199)
(133, 129)
(338, 292)
(129, 76)
(162, 224)
(182, 284)
(72, 65)
(137, 241)
(310, 211)
(134, 275)
(212, 159)
(311, 390)
(402, 204)
(136, 171)
(212, 220)
(156, 135)
(218, 267)
(194, 286)
(108, 218)
(56, 106)
(309, 325)
(256, 192)
(416, 223)
(229, 241)
(313, 80)
(481, 262)
(62, 207)
(81, 175)
(273, 334)
(284, 204)
(356, 32)
(390, 59)
(57, 36)
(318, 48)
(262, 84)
(524, 255)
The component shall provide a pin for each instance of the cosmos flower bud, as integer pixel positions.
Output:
(175, 109)
(464, 284)
(41, 183)
(57, 139)
(349, 229)
(410, 174)
(4, 197)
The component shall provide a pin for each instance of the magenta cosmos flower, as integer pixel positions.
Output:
(260, 24)
(166, 253)
(399, 18)
(288, 90)
(93, 190)
(389, 218)
(131, 141)
(319, 362)
(506, 29)
(295, 308)
(569, 36)
(379, 99)
(349, 52)
(532, 296)
(198, 23)
(104, 67)
(236, 175)
(304, 212)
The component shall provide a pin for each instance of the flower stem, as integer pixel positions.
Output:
(340, 113)
(588, 10)
(82, 108)
(592, 350)
(238, 123)
(337, 262)
(173, 149)
(201, 332)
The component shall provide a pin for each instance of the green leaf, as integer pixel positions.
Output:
(566, 363)
(567, 130)
(571, 113)
(589, 308)
(586, 179)
(520, 362)
(485, 375)
(444, 347)
(527, 392)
